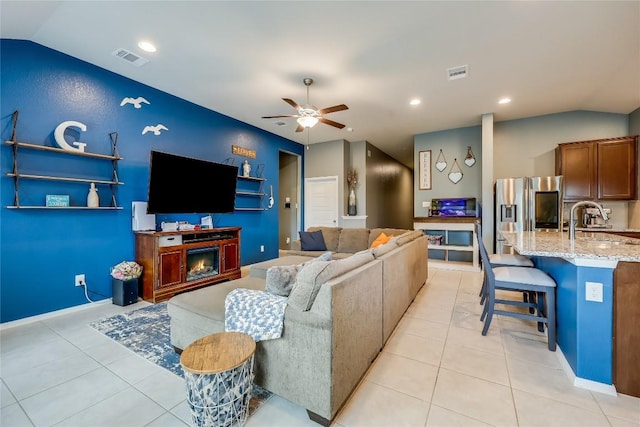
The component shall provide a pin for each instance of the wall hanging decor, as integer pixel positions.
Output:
(425, 170)
(441, 162)
(155, 129)
(455, 173)
(470, 160)
(136, 102)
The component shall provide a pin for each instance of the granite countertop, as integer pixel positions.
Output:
(612, 230)
(597, 245)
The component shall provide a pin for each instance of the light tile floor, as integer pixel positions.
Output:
(436, 370)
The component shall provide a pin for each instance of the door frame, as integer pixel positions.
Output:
(299, 205)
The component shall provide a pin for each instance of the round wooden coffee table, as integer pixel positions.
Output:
(218, 371)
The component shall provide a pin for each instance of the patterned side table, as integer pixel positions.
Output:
(218, 371)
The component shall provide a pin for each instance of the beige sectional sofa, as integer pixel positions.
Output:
(344, 242)
(330, 339)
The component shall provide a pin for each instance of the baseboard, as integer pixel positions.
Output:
(590, 385)
(51, 314)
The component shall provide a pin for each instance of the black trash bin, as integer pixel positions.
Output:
(124, 292)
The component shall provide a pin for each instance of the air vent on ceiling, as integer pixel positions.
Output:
(130, 57)
(459, 72)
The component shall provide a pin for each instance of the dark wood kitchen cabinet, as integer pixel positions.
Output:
(603, 169)
(626, 334)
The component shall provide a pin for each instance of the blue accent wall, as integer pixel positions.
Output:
(584, 328)
(42, 250)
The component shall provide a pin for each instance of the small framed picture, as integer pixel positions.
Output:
(57, 201)
(424, 171)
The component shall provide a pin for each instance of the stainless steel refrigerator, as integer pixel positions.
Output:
(527, 204)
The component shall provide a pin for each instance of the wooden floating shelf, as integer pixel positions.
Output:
(252, 178)
(106, 208)
(62, 178)
(60, 150)
(250, 193)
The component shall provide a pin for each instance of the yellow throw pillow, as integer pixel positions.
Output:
(380, 240)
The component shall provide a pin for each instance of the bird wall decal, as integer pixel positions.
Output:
(155, 129)
(137, 102)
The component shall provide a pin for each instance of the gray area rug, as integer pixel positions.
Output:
(145, 331)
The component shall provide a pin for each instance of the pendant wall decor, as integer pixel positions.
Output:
(455, 174)
(470, 160)
(441, 162)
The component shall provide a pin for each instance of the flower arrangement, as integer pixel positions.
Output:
(126, 270)
(352, 179)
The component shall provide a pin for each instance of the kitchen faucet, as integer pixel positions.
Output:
(572, 223)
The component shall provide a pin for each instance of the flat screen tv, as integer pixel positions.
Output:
(185, 185)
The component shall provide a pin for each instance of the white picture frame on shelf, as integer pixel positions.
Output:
(424, 171)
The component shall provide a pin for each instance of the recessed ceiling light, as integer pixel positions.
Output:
(147, 46)
(504, 101)
(415, 101)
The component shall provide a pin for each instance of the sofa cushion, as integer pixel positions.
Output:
(314, 274)
(312, 241)
(353, 240)
(280, 278)
(380, 240)
(409, 236)
(330, 235)
(375, 232)
(384, 249)
(259, 269)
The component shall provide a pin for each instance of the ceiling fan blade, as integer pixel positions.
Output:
(292, 103)
(299, 128)
(330, 122)
(333, 109)
(277, 117)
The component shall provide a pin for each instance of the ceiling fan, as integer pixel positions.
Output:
(308, 115)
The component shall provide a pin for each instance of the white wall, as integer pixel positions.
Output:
(526, 147)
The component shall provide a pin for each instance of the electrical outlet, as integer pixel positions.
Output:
(80, 280)
(261, 248)
(288, 240)
(593, 291)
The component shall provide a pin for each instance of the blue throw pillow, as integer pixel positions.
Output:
(312, 241)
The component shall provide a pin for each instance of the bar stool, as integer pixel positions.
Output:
(520, 279)
(504, 260)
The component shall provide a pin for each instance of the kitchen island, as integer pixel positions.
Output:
(597, 303)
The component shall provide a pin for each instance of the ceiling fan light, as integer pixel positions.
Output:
(307, 121)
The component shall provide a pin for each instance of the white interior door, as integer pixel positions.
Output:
(321, 202)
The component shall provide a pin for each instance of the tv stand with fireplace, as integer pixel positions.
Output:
(178, 261)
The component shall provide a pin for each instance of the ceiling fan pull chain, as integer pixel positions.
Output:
(441, 162)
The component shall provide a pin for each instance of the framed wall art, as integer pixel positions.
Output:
(425, 170)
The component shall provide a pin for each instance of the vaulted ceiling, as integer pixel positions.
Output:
(240, 58)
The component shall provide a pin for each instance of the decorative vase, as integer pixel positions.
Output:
(246, 169)
(353, 211)
(92, 198)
